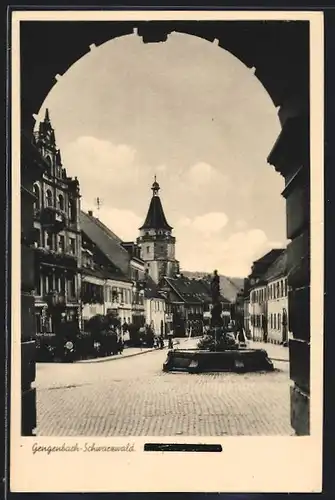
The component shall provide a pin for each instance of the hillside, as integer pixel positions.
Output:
(229, 286)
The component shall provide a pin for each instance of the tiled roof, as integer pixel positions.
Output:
(277, 269)
(192, 291)
(151, 289)
(229, 286)
(270, 256)
(106, 241)
(183, 287)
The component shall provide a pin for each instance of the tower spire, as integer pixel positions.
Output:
(155, 187)
(47, 117)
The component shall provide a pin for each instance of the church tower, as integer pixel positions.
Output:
(156, 241)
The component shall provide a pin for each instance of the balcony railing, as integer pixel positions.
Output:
(57, 258)
(52, 218)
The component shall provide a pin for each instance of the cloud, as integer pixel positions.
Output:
(204, 244)
(202, 174)
(210, 223)
(241, 224)
(95, 158)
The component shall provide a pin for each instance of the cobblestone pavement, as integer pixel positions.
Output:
(134, 397)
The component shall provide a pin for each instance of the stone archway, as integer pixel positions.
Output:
(277, 52)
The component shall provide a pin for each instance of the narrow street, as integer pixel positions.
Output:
(134, 397)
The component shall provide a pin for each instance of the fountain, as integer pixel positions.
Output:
(218, 350)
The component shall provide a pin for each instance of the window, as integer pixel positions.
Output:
(37, 194)
(281, 288)
(72, 246)
(277, 290)
(61, 202)
(148, 249)
(275, 321)
(285, 287)
(72, 210)
(49, 200)
(48, 241)
(38, 286)
(71, 287)
(47, 283)
(279, 318)
(58, 286)
(37, 242)
(271, 321)
(61, 243)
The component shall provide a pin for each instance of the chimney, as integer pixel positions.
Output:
(90, 213)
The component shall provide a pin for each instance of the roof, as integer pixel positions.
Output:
(192, 291)
(277, 269)
(206, 283)
(183, 287)
(106, 241)
(229, 286)
(155, 218)
(270, 256)
(151, 289)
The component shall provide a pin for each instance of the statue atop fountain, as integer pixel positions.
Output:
(216, 312)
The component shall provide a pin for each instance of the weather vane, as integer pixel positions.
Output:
(98, 203)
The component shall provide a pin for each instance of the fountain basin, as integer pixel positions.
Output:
(240, 360)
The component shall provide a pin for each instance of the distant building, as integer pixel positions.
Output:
(189, 301)
(155, 307)
(105, 288)
(277, 300)
(58, 238)
(124, 287)
(268, 306)
(156, 241)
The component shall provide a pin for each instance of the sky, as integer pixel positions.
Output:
(190, 113)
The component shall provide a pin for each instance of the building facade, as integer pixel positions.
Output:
(155, 307)
(188, 301)
(258, 312)
(103, 291)
(268, 306)
(119, 270)
(58, 239)
(277, 301)
(32, 169)
(156, 242)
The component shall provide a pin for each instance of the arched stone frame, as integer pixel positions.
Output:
(61, 201)
(277, 52)
(48, 161)
(37, 190)
(49, 200)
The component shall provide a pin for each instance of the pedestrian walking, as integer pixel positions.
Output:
(120, 344)
(170, 339)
